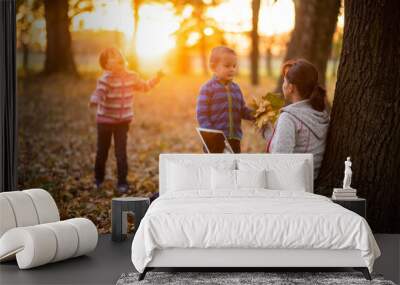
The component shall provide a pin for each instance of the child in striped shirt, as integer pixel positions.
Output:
(220, 104)
(113, 98)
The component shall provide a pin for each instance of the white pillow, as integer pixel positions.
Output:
(193, 174)
(293, 179)
(251, 178)
(183, 177)
(227, 179)
(280, 174)
(223, 179)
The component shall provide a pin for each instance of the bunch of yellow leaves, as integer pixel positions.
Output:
(267, 108)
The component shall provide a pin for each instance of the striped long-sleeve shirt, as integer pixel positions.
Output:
(222, 107)
(114, 95)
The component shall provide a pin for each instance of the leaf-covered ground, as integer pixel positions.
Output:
(57, 139)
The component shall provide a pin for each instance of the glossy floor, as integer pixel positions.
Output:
(111, 259)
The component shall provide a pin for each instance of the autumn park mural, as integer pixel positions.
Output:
(59, 47)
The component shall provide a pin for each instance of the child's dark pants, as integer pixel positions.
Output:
(104, 134)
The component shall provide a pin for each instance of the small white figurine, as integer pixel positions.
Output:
(347, 174)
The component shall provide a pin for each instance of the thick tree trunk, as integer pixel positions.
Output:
(255, 54)
(59, 57)
(365, 119)
(311, 39)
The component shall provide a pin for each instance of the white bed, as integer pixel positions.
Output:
(281, 224)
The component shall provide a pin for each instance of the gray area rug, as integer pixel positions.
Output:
(229, 278)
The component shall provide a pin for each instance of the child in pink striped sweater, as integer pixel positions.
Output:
(114, 97)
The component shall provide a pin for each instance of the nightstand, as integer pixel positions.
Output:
(357, 205)
(120, 208)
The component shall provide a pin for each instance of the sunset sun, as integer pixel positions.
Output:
(156, 25)
(158, 22)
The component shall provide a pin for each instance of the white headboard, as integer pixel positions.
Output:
(165, 157)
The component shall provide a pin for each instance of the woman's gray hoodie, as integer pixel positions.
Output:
(300, 129)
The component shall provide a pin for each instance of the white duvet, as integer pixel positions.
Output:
(255, 218)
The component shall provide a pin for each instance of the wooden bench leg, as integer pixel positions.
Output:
(364, 271)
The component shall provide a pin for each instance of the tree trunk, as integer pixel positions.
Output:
(254, 55)
(311, 39)
(365, 119)
(202, 41)
(181, 59)
(25, 57)
(268, 62)
(59, 57)
(133, 60)
(268, 59)
(203, 51)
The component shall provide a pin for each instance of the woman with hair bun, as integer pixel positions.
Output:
(302, 125)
